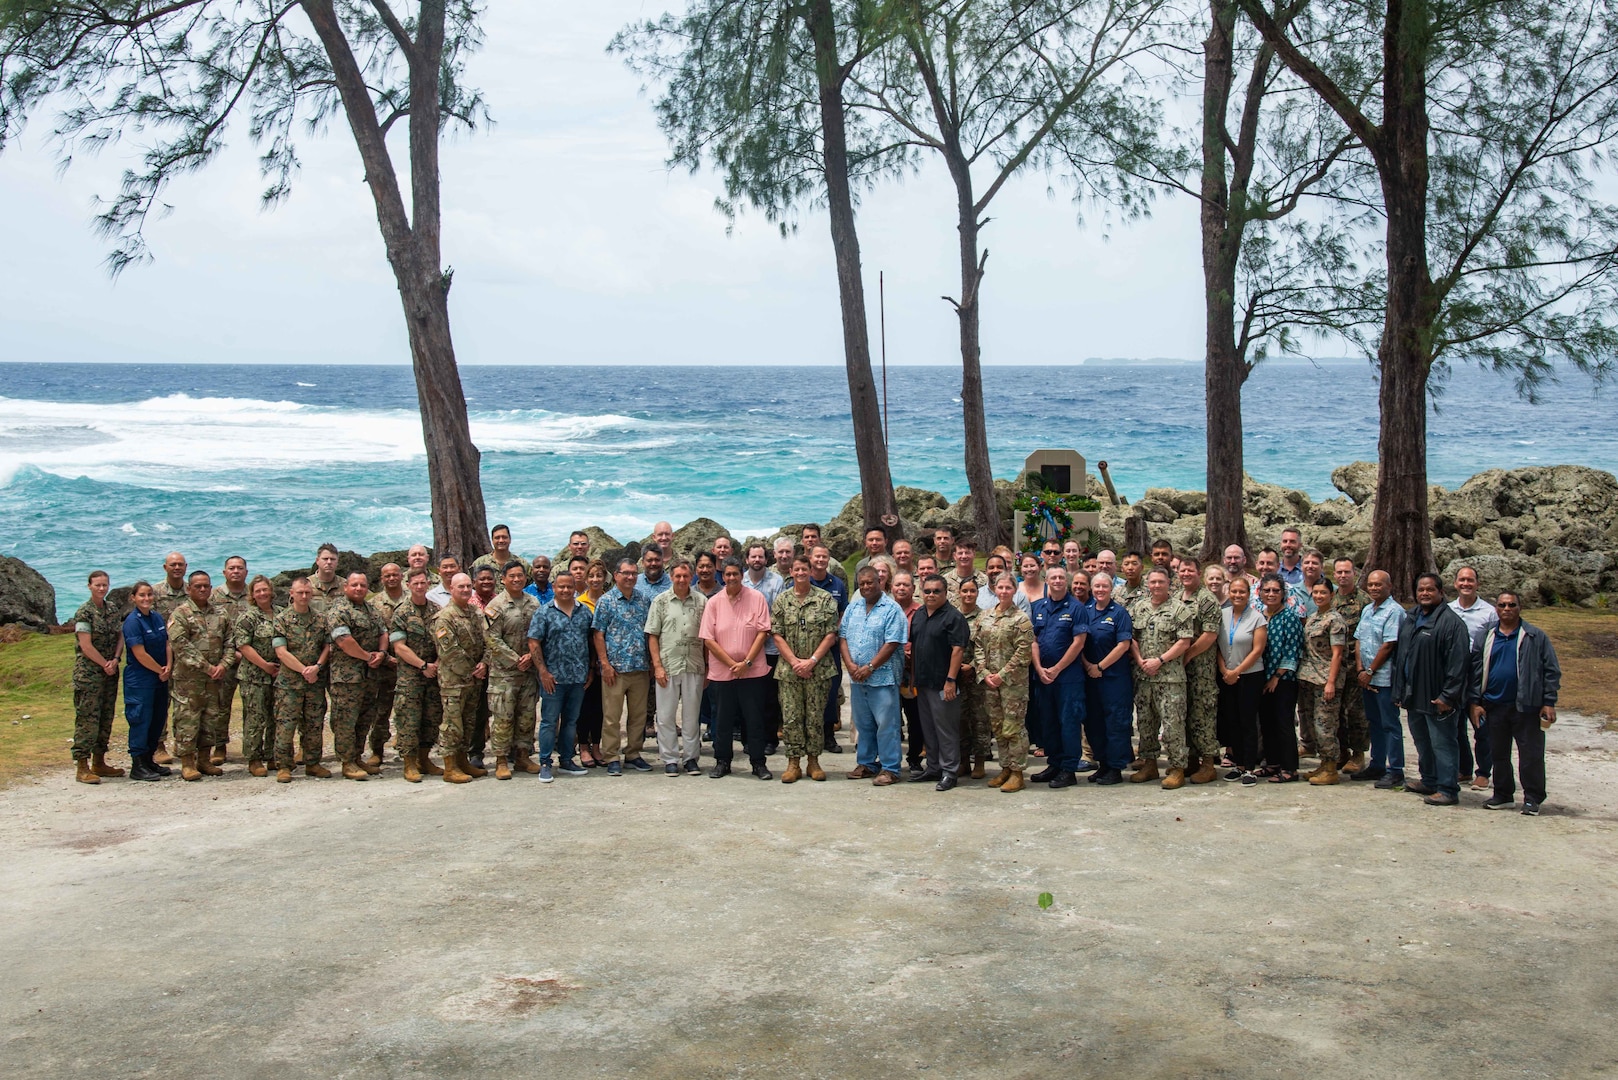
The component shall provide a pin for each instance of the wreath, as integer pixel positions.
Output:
(1048, 515)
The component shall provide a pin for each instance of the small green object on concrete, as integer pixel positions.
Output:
(1046, 900)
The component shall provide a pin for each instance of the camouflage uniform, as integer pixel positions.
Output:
(1202, 679)
(354, 682)
(418, 709)
(299, 705)
(326, 593)
(256, 630)
(977, 736)
(95, 693)
(165, 599)
(458, 632)
(1355, 734)
(1003, 645)
(952, 583)
(1160, 699)
(498, 565)
(388, 674)
(200, 638)
(234, 605)
(1323, 630)
(804, 622)
(513, 693)
(1129, 596)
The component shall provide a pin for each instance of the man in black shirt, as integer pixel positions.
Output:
(938, 640)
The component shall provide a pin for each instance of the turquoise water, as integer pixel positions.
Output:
(114, 465)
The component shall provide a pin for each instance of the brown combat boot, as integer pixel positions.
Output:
(977, 768)
(317, 770)
(814, 771)
(1327, 775)
(1138, 763)
(526, 763)
(965, 767)
(353, 771)
(205, 764)
(83, 773)
(1013, 782)
(371, 761)
(412, 772)
(370, 770)
(188, 767)
(1354, 764)
(1000, 778)
(256, 768)
(1175, 779)
(1208, 773)
(161, 755)
(502, 768)
(99, 766)
(283, 775)
(217, 756)
(793, 773)
(1147, 771)
(467, 767)
(452, 771)
(429, 767)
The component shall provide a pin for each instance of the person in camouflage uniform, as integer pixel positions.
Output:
(418, 710)
(1130, 588)
(513, 691)
(1201, 675)
(1163, 634)
(1354, 738)
(458, 631)
(98, 639)
(200, 634)
(253, 635)
(359, 640)
(1322, 672)
(388, 600)
(232, 597)
(303, 647)
(1002, 648)
(803, 621)
(977, 736)
(167, 595)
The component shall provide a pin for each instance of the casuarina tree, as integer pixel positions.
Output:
(178, 76)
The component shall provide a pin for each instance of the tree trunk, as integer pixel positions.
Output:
(870, 448)
(412, 243)
(979, 474)
(1224, 367)
(1401, 536)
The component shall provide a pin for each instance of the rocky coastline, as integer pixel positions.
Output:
(1550, 532)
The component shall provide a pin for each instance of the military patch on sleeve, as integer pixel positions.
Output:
(443, 632)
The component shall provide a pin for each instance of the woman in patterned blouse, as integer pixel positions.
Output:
(1278, 705)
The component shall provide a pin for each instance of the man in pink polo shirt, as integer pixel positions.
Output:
(735, 625)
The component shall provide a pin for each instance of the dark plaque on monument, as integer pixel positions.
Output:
(1058, 478)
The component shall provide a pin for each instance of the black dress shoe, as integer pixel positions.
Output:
(946, 782)
(925, 777)
(1065, 778)
(1108, 777)
(762, 773)
(476, 760)
(834, 747)
(1096, 776)
(770, 748)
(142, 768)
(720, 768)
(161, 770)
(1045, 775)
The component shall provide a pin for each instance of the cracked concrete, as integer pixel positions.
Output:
(694, 928)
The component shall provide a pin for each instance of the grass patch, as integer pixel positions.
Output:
(1587, 646)
(36, 705)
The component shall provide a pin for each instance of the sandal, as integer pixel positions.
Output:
(1283, 777)
(1226, 763)
(1266, 771)
(1036, 751)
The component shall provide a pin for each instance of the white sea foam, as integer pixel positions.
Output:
(159, 440)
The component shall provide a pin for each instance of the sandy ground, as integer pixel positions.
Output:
(651, 926)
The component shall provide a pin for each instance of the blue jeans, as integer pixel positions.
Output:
(1387, 737)
(876, 725)
(1109, 704)
(1060, 707)
(561, 706)
(1438, 750)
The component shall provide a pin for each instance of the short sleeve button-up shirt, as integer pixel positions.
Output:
(564, 641)
(622, 623)
(677, 625)
(734, 623)
(867, 627)
(1056, 624)
(1379, 625)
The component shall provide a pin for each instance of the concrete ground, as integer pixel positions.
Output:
(651, 926)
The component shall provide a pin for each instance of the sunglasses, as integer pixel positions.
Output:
(931, 592)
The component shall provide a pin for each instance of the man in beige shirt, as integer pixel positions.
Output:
(679, 664)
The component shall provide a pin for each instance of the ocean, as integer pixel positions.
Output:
(111, 466)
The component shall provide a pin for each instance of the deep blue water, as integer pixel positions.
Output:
(113, 465)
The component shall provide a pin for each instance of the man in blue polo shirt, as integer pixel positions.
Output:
(1376, 637)
(1056, 679)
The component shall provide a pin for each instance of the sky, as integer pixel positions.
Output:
(572, 242)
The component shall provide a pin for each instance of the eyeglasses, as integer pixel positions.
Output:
(931, 592)
(1505, 603)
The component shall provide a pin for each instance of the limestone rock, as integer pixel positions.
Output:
(601, 544)
(1157, 511)
(694, 536)
(1182, 502)
(348, 562)
(1357, 480)
(1333, 512)
(1275, 505)
(25, 596)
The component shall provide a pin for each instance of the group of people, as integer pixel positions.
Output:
(1098, 665)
